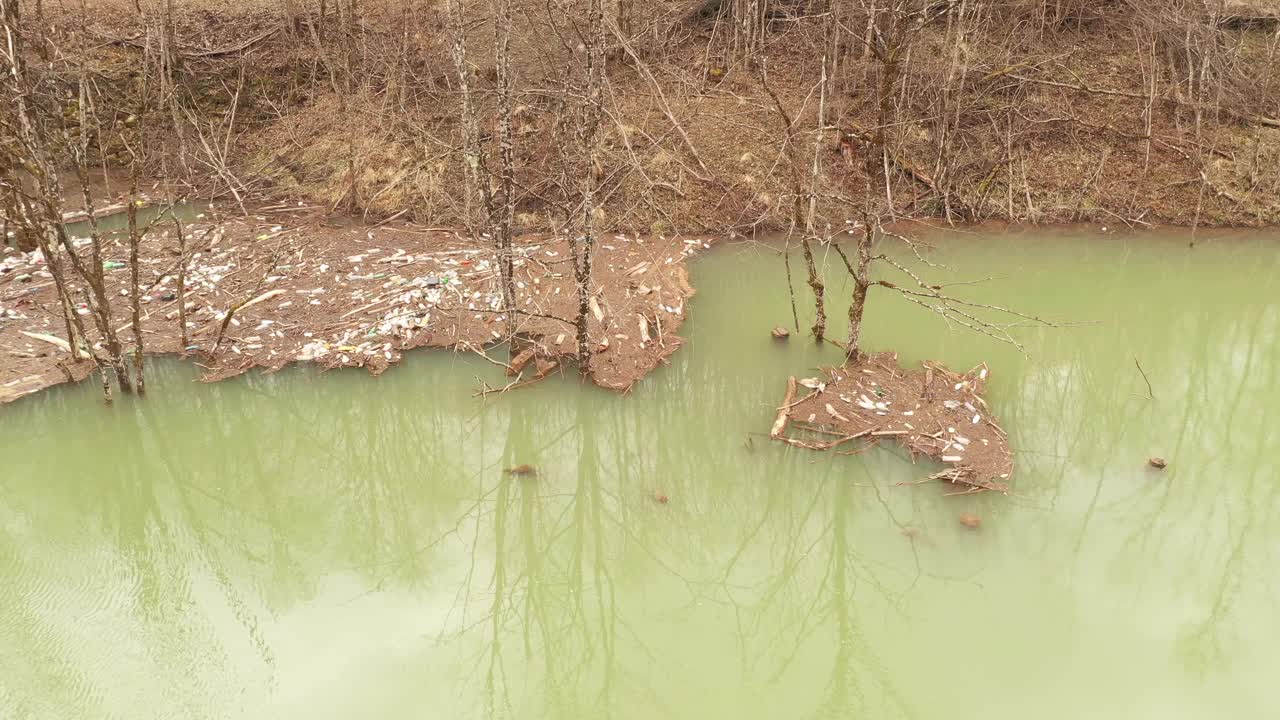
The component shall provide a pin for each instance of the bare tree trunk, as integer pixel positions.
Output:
(293, 15)
(169, 58)
(799, 216)
(346, 46)
(815, 281)
(889, 71)
(75, 329)
(503, 232)
(94, 275)
(748, 26)
(588, 133)
(890, 44)
(869, 33)
(815, 180)
(819, 292)
(477, 173)
(10, 212)
(43, 208)
(32, 217)
(135, 285)
(815, 172)
(861, 283)
(582, 248)
(16, 121)
(625, 14)
(181, 292)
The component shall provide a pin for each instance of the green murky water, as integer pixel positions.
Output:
(306, 546)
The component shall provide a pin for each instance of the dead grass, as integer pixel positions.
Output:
(1075, 156)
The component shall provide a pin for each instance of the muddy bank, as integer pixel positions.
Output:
(356, 296)
(931, 411)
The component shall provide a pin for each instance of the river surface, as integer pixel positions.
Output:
(338, 546)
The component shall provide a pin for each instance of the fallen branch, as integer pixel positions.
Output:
(784, 412)
(964, 476)
(1150, 393)
(245, 305)
(56, 341)
(823, 445)
(479, 351)
(519, 361)
(216, 52)
(513, 385)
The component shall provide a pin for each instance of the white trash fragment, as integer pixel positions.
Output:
(814, 384)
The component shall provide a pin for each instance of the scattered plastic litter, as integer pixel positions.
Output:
(366, 308)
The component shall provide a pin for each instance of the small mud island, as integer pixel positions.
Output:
(932, 412)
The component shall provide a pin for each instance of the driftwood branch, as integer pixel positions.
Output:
(1151, 395)
(779, 428)
(242, 305)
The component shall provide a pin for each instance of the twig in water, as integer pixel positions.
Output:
(485, 390)
(479, 351)
(1150, 393)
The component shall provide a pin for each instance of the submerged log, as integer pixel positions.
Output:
(519, 361)
(546, 367)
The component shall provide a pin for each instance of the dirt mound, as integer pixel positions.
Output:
(931, 411)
